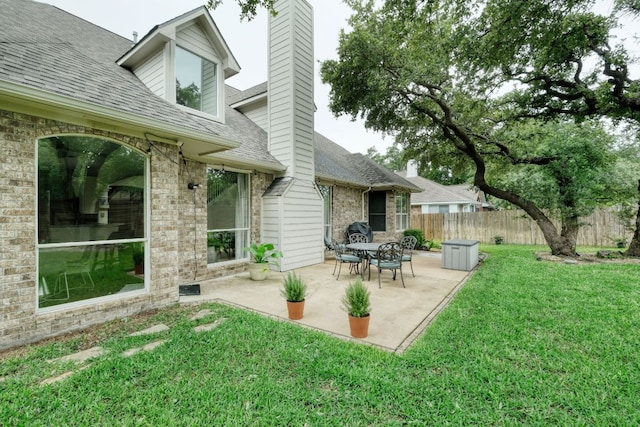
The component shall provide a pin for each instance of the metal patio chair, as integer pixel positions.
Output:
(343, 257)
(409, 244)
(388, 257)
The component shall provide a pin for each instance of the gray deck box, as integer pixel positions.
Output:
(459, 254)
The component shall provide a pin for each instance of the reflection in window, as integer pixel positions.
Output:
(402, 211)
(327, 192)
(228, 213)
(91, 217)
(196, 82)
(378, 210)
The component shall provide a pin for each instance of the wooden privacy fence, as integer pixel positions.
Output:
(515, 226)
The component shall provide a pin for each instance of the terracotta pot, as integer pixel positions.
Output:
(359, 326)
(139, 268)
(258, 271)
(295, 309)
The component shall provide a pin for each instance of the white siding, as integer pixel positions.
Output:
(295, 219)
(152, 73)
(194, 39)
(291, 122)
(258, 114)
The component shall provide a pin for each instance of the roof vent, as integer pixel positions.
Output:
(135, 37)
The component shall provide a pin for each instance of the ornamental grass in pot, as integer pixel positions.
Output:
(294, 290)
(356, 302)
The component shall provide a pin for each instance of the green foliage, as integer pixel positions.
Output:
(498, 239)
(418, 234)
(214, 242)
(264, 253)
(138, 253)
(524, 342)
(356, 299)
(443, 107)
(248, 8)
(294, 289)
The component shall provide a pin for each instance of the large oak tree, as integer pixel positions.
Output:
(451, 78)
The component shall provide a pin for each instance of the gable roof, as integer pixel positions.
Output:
(334, 163)
(435, 193)
(64, 67)
(160, 34)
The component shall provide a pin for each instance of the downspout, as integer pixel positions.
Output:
(362, 202)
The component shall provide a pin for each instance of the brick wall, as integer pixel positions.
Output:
(20, 322)
(347, 209)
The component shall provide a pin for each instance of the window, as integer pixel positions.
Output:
(378, 210)
(91, 219)
(402, 211)
(444, 209)
(327, 193)
(196, 82)
(228, 213)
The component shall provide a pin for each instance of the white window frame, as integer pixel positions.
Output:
(219, 116)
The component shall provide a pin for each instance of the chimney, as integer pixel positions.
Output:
(412, 169)
(290, 87)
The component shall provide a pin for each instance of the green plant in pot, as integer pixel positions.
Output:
(498, 239)
(138, 257)
(356, 301)
(294, 291)
(214, 247)
(263, 255)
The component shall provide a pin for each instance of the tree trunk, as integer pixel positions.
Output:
(634, 246)
(561, 244)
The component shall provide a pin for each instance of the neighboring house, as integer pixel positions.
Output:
(438, 198)
(116, 153)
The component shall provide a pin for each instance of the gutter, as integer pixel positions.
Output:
(26, 100)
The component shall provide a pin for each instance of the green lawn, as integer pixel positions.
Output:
(524, 342)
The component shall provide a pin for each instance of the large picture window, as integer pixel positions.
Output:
(91, 219)
(402, 211)
(228, 214)
(196, 82)
(378, 210)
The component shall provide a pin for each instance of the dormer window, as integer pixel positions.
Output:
(196, 82)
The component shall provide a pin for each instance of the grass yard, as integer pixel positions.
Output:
(525, 342)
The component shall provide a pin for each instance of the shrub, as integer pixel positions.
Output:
(418, 234)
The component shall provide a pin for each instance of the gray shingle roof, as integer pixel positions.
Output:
(432, 192)
(46, 48)
(50, 50)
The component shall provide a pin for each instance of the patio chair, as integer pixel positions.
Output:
(82, 266)
(409, 244)
(388, 257)
(364, 255)
(343, 257)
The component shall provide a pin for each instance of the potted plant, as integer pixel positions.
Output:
(214, 247)
(357, 304)
(263, 255)
(138, 257)
(498, 239)
(294, 291)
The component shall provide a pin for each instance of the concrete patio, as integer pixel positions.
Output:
(398, 315)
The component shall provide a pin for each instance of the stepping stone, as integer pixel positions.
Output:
(147, 347)
(61, 376)
(152, 330)
(81, 356)
(56, 379)
(201, 314)
(209, 326)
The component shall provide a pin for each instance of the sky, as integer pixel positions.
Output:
(248, 43)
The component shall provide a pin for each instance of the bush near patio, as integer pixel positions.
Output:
(524, 342)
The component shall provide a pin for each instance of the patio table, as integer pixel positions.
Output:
(362, 250)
